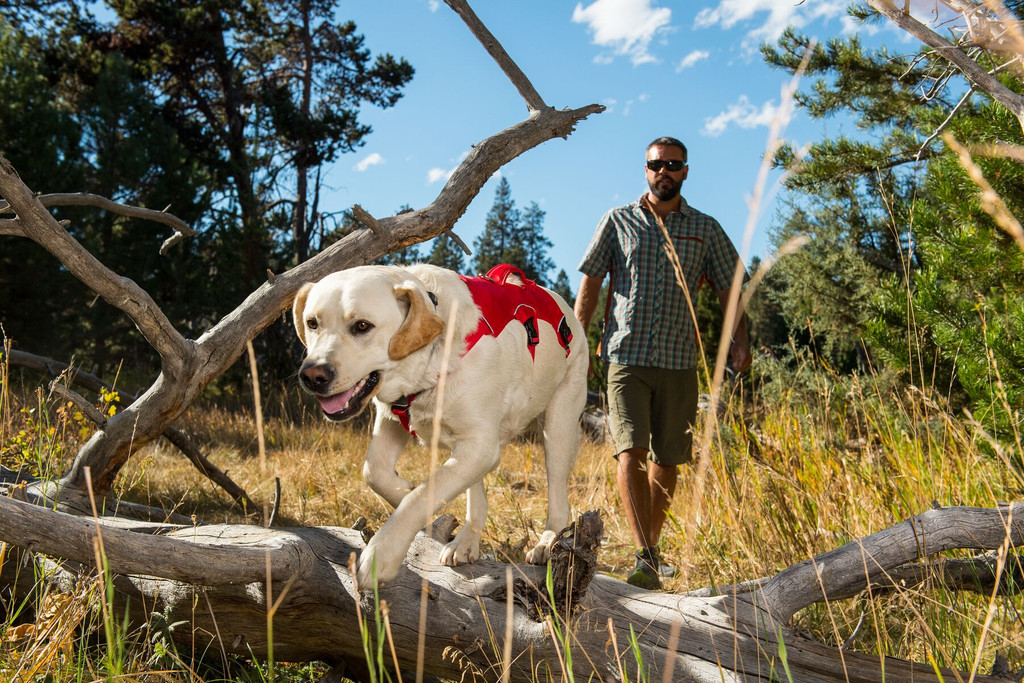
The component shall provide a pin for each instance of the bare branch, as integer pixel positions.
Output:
(991, 25)
(180, 227)
(364, 217)
(201, 557)
(980, 574)
(458, 240)
(971, 69)
(88, 409)
(942, 126)
(93, 383)
(12, 227)
(853, 567)
(534, 102)
(120, 292)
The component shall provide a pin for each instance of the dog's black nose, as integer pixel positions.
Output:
(316, 377)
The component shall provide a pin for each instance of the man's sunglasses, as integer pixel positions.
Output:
(668, 164)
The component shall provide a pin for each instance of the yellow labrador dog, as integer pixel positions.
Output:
(375, 333)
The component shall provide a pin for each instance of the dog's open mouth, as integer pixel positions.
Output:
(351, 402)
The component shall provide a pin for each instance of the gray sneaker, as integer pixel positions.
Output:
(645, 575)
(665, 571)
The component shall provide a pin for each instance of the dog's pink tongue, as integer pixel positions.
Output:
(336, 403)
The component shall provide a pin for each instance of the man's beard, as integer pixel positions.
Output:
(665, 189)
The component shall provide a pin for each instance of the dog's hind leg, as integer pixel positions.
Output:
(561, 441)
(465, 547)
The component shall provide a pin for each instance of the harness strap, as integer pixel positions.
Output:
(400, 409)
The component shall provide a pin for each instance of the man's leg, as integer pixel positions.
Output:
(629, 398)
(635, 493)
(662, 481)
(674, 412)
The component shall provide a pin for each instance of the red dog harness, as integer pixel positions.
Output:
(500, 302)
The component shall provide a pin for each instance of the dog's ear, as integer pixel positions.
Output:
(297, 311)
(422, 325)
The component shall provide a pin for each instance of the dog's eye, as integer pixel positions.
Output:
(311, 324)
(361, 327)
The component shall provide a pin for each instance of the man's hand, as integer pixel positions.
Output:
(739, 356)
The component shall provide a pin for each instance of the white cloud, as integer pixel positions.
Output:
(691, 59)
(437, 173)
(742, 114)
(729, 13)
(641, 98)
(434, 5)
(374, 159)
(626, 27)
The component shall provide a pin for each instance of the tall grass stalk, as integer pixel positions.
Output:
(115, 634)
(784, 658)
(435, 442)
(373, 641)
(506, 652)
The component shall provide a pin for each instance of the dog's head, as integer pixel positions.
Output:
(357, 326)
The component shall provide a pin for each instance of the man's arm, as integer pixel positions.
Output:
(739, 351)
(586, 299)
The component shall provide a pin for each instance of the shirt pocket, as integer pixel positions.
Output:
(689, 248)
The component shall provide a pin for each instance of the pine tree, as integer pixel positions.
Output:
(535, 244)
(562, 288)
(499, 241)
(903, 257)
(447, 254)
(514, 237)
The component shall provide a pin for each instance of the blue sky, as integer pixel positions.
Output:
(687, 69)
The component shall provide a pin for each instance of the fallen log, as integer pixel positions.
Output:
(224, 579)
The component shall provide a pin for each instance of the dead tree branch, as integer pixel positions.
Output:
(180, 227)
(974, 72)
(850, 569)
(120, 292)
(534, 102)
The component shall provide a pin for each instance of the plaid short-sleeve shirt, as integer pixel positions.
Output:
(649, 322)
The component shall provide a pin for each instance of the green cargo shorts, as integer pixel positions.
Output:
(654, 409)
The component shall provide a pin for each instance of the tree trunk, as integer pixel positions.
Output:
(216, 579)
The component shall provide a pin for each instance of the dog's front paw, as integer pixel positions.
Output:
(379, 562)
(465, 547)
(542, 551)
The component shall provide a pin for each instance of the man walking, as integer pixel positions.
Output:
(649, 338)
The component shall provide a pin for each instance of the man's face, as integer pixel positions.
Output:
(665, 184)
